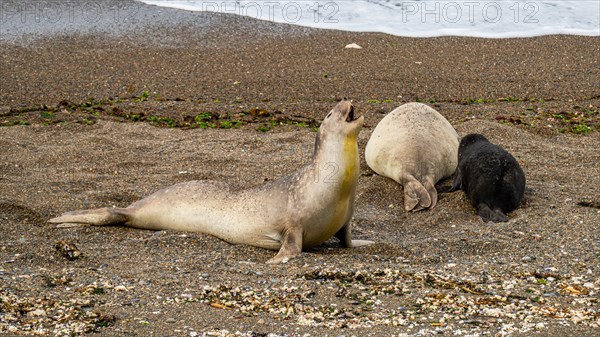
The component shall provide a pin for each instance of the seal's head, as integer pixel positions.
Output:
(339, 126)
(467, 141)
(341, 120)
(471, 139)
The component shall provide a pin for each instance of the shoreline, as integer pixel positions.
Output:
(34, 18)
(228, 58)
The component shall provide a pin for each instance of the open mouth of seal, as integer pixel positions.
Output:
(350, 117)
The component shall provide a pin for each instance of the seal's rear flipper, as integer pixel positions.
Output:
(489, 215)
(96, 217)
(70, 225)
(430, 186)
(415, 194)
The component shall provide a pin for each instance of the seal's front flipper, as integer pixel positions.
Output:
(416, 194)
(361, 243)
(96, 217)
(290, 247)
(488, 214)
(456, 184)
(345, 237)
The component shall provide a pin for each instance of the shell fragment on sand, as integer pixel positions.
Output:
(353, 46)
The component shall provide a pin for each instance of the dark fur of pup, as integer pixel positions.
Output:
(490, 176)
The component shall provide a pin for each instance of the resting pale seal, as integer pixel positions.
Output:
(417, 147)
(296, 212)
(490, 176)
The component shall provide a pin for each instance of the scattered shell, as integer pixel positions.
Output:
(528, 258)
(515, 302)
(353, 46)
(68, 250)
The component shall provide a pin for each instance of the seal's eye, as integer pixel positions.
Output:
(328, 115)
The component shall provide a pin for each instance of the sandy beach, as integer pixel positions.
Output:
(105, 113)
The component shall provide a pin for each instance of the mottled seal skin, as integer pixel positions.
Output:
(417, 147)
(294, 213)
(490, 176)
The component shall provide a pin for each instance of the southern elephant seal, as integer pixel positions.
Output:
(417, 147)
(490, 176)
(293, 213)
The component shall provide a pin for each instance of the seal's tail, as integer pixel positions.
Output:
(96, 217)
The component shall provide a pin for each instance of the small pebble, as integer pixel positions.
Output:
(37, 312)
(170, 320)
(527, 258)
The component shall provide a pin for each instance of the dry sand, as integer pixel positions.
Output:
(442, 271)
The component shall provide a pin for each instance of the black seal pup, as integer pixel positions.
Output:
(490, 176)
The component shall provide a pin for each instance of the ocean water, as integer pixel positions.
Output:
(491, 19)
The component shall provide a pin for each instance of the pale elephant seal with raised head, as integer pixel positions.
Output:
(417, 147)
(490, 176)
(293, 213)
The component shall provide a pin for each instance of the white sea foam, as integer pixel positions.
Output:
(491, 19)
